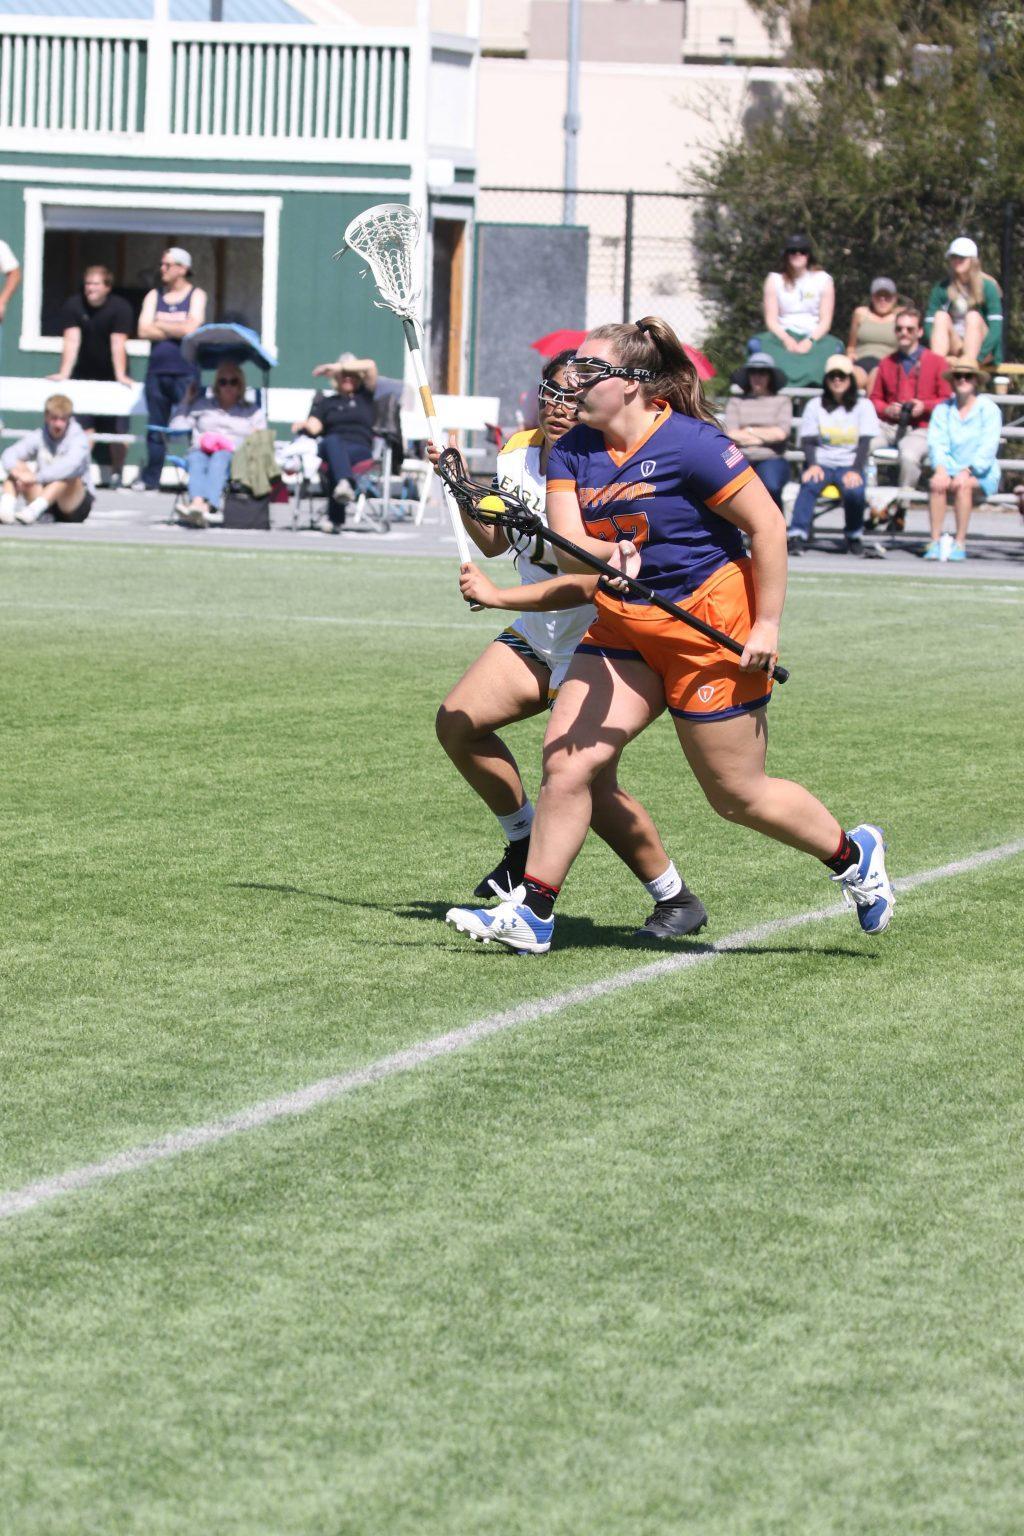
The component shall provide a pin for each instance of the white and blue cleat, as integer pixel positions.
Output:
(866, 886)
(510, 923)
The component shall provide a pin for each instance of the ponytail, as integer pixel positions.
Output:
(652, 343)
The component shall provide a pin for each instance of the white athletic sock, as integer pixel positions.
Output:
(7, 506)
(667, 885)
(34, 510)
(518, 823)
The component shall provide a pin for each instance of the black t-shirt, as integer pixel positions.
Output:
(347, 416)
(97, 325)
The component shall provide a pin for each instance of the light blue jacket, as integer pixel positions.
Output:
(967, 442)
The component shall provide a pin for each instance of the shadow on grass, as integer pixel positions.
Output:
(573, 932)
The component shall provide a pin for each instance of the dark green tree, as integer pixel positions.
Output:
(906, 128)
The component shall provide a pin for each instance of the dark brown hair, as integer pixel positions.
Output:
(652, 343)
(909, 309)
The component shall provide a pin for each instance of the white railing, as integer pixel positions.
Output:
(182, 86)
(51, 83)
(289, 90)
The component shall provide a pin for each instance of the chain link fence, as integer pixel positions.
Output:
(641, 256)
(644, 253)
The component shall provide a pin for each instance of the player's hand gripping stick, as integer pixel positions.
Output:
(499, 507)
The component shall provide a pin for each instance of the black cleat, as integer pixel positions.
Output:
(675, 919)
(502, 880)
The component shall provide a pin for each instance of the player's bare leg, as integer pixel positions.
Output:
(602, 705)
(499, 688)
(728, 761)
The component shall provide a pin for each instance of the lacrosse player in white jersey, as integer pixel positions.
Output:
(519, 674)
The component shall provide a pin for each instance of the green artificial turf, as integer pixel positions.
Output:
(735, 1251)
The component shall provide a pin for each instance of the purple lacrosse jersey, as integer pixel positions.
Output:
(661, 493)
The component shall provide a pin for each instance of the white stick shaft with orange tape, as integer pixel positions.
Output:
(434, 431)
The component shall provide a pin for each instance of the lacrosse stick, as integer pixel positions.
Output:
(386, 238)
(489, 506)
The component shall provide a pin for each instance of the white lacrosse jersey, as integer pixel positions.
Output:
(554, 636)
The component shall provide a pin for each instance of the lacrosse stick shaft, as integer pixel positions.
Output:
(434, 431)
(642, 590)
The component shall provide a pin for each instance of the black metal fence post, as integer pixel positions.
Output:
(1006, 269)
(627, 260)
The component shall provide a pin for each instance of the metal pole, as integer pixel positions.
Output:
(627, 260)
(1006, 269)
(571, 121)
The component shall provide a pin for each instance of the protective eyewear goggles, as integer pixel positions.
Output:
(582, 372)
(553, 394)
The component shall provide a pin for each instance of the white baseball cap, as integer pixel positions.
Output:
(179, 254)
(963, 245)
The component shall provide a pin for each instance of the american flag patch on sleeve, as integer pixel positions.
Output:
(732, 457)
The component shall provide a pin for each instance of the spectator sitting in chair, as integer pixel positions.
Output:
(343, 423)
(836, 429)
(48, 470)
(965, 312)
(908, 385)
(760, 422)
(873, 331)
(219, 419)
(963, 441)
(799, 304)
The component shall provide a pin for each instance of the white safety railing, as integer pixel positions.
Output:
(289, 90)
(71, 84)
(179, 86)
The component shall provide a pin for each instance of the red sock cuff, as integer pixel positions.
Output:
(542, 885)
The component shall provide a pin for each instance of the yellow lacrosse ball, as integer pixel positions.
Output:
(490, 506)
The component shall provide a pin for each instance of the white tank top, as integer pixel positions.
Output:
(800, 302)
(554, 636)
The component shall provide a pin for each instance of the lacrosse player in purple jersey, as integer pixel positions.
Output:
(649, 482)
(518, 676)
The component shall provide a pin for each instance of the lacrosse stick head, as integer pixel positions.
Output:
(386, 237)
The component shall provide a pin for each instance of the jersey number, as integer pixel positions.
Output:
(626, 525)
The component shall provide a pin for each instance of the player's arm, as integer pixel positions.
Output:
(71, 341)
(537, 597)
(150, 328)
(752, 510)
(563, 515)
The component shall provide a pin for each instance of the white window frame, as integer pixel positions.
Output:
(37, 198)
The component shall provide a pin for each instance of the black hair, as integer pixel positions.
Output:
(557, 363)
(847, 399)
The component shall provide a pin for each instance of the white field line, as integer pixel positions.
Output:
(254, 616)
(17, 1201)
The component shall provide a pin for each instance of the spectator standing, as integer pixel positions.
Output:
(760, 421)
(219, 420)
(799, 305)
(963, 441)
(965, 313)
(873, 331)
(95, 325)
(48, 469)
(836, 430)
(908, 385)
(10, 270)
(343, 423)
(169, 313)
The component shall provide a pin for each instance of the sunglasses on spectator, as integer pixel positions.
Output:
(911, 327)
(234, 383)
(584, 371)
(963, 374)
(554, 394)
(837, 373)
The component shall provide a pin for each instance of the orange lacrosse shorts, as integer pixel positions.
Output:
(702, 680)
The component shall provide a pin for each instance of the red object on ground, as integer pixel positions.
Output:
(559, 341)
